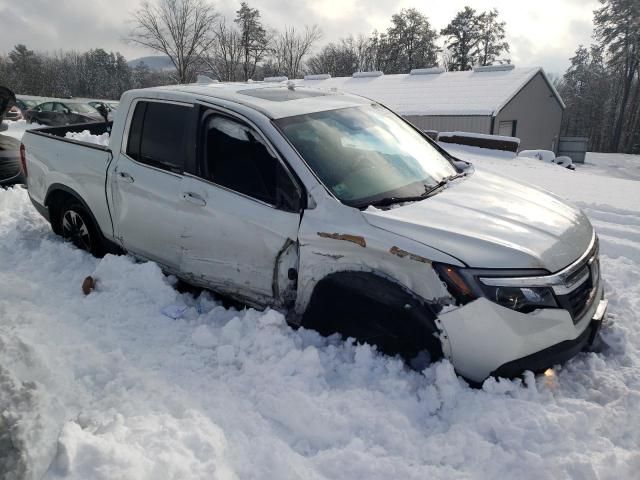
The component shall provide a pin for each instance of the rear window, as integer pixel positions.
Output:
(157, 135)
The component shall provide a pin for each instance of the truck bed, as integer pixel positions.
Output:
(58, 133)
(55, 162)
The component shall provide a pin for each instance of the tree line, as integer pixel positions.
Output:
(197, 40)
(92, 74)
(601, 87)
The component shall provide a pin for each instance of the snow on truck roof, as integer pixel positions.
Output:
(276, 100)
(432, 91)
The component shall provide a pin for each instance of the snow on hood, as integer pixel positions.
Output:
(488, 221)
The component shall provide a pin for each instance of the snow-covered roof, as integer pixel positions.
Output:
(483, 91)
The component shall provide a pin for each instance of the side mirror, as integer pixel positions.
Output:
(102, 110)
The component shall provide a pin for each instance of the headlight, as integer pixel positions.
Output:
(522, 299)
(465, 285)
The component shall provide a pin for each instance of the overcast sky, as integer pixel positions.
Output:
(540, 32)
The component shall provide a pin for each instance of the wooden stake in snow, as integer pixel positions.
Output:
(88, 285)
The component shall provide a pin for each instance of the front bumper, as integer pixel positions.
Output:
(482, 338)
(558, 353)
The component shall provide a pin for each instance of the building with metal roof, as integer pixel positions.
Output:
(500, 100)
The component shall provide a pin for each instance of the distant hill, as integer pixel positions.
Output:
(154, 62)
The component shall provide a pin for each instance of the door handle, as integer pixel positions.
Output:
(125, 177)
(194, 198)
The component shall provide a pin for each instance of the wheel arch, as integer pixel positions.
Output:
(345, 288)
(55, 196)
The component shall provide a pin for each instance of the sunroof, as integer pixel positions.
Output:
(281, 94)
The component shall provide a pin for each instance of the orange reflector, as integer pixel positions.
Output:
(458, 281)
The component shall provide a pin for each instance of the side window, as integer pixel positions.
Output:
(59, 108)
(157, 135)
(236, 157)
(46, 107)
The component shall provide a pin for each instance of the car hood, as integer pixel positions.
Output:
(488, 221)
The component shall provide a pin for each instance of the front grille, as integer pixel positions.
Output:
(577, 301)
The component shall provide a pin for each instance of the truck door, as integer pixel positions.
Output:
(241, 214)
(146, 181)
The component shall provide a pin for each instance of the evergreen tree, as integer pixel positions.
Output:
(491, 43)
(463, 37)
(253, 39)
(409, 43)
(617, 28)
(25, 66)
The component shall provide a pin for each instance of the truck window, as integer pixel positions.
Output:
(236, 157)
(157, 135)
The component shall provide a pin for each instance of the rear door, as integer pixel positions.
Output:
(61, 114)
(45, 115)
(146, 182)
(241, 213)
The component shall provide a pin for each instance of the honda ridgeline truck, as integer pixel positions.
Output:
(333, 209)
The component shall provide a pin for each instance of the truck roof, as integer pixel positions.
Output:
(275, 100)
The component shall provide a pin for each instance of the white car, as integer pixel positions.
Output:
(335, 210)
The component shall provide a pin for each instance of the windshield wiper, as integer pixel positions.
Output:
(431, 189)
(428, 191)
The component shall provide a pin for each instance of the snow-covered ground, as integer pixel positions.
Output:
(105, 386)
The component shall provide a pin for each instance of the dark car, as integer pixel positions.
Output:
(62, 113)
(103, 106)
(10, 171)
(25, 104)
(14, 114)
(7, 100)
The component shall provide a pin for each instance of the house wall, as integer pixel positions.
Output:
(538, 113)
(451, 123)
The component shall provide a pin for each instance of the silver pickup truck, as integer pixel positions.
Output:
(331, 208)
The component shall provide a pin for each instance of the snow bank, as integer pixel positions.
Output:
(544, 155)
(87, 137)
(105, 386)
(579, 186)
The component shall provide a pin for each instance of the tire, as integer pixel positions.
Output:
(374, 311)
(76, 225)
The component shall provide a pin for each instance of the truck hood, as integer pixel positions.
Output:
(488, 221)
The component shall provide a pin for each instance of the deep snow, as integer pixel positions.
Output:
(105, 386)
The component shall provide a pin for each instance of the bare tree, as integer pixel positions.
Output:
(224, 56)
(290, 47)
(181, 29)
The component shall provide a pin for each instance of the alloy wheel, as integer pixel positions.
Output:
(75, 229)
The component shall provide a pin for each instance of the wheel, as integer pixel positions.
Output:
(373, 310)
(76, 225)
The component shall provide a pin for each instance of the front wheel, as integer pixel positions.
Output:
(76, 225)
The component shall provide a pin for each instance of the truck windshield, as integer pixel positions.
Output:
(367, 155)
